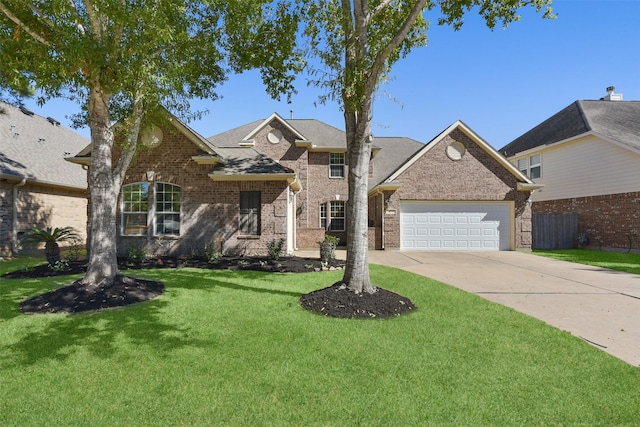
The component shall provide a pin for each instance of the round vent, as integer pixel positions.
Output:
(151, 136)
(455, 150)
(274, 136)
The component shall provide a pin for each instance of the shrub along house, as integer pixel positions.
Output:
(287, 179)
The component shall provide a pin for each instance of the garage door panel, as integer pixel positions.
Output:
(455, 226)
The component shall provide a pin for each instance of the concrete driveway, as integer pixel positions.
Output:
(600, 306)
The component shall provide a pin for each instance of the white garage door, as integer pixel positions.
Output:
(450, 226)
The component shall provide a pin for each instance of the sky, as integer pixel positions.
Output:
(501, 83)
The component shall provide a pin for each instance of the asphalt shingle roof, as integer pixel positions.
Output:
(394, 152)
(319, 133)
(247, 161)
(34, 147)
(618, 121)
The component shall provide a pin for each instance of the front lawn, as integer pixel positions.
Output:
(235, 348)
(621, 261)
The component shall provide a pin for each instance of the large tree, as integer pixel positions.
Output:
(126, 60)
(357, 42)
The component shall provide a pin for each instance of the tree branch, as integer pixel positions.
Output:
(79, 26)
(378, 9)
(20, 23)
(381, 58)
(131, 140)
(41, 15)
(93, 18)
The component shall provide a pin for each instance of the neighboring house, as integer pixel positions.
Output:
(587, 156)
(38, 188)
(287, 179)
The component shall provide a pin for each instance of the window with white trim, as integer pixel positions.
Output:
(531, 166)
(335, 221)
(250, 213)
(167, 212)
(164, 209)
(135, 201)
(336, 165)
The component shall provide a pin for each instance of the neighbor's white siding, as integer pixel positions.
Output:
(586, 167)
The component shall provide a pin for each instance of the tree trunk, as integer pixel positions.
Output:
(103, 265)
(52, 252)
(359, 136)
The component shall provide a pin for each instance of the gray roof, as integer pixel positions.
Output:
(618, 121)
(247, 161)
(394, 152)
(315, 131)
(35, 147)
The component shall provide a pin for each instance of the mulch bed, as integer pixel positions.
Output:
(338, 301)
(77, 298)
(333, 301)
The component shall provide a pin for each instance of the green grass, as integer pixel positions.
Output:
(628, 262)
(236, 349)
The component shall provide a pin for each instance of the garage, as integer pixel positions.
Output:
(450, 226)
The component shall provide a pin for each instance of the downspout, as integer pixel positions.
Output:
(14, 217)
(382, 221)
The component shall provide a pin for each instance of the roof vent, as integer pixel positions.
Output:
(26, 110)
(53, 121)
(612, 96)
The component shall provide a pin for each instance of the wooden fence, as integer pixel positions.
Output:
(554, 231)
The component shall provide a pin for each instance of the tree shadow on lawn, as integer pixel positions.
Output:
(100, 333)
(192, 279)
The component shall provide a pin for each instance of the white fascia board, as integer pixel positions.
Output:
(190, 134)
(291, 178)
(474, 137)
(385, 186)
(86, 161)
(524, 186)
(273, 116)
(494, 153)
(304, 143)
(207, 160)
(540, 148)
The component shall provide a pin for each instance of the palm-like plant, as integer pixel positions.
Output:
(50, 237)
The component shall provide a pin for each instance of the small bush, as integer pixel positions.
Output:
(274, 248)
(328, 248)
(211, 252)
(136, 253)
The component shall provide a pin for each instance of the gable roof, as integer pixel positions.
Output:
(615, 121)
(35, 148)
(524, 183)
(394, 152)
(83, 157)
(310, 133)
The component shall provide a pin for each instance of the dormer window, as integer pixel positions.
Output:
(336, 165)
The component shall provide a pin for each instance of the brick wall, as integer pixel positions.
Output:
(608, 220)
(6, 214)
(475, 177)
(40, 206)
(209, 209)
(313, 172)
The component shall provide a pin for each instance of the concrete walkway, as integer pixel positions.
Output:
(600, 306)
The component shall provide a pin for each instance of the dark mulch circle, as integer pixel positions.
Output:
(338, 301)
(77, 298)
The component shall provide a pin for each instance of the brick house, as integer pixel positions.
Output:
(38, 188)
(587, 156)
(287, 179)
